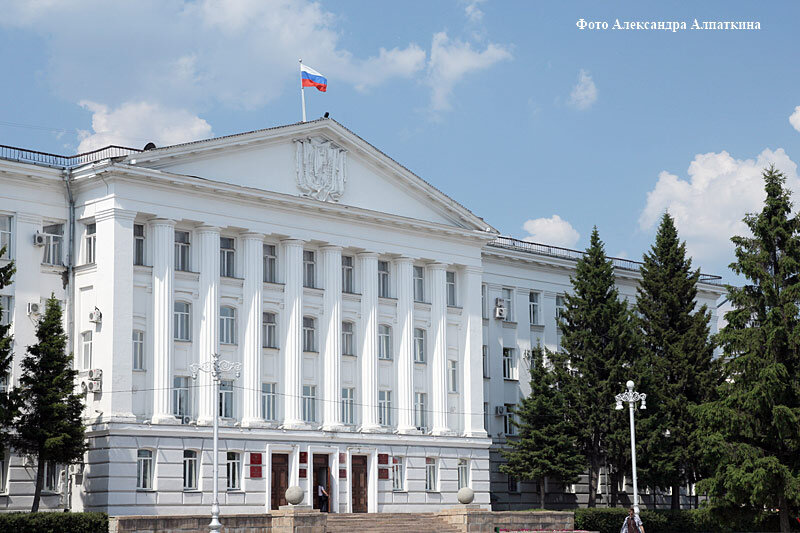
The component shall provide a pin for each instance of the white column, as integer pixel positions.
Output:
(163, 236)
(368, 274)
(253, 262)
(208, 337)
(405, 355)
(332, 335)
(472, 365)
(439, 362)
(292, 330)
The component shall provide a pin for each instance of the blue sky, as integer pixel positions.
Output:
(541, 128)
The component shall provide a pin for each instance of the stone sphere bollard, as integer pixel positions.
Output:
(294, 495)
(466, 495)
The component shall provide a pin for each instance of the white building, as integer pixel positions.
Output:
(358, 299)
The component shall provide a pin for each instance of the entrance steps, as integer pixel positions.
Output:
(388, 523)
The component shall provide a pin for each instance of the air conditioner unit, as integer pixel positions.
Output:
(186, 420)
(95, 374)
(39, 239)
(34, 308)
(501, 313)
(500, 410)
(499, 302)
(94, 385)
(95, 316)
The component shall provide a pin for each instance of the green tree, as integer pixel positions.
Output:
(547, 445)
(678, 369)
(751, 434)
(7, 409)
(49, 425)
(600, 345)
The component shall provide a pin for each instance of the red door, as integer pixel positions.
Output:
(280, 479)
(359, 480)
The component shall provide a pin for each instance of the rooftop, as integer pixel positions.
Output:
(23, 155)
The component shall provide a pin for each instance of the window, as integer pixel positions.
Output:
(268, 401)
(384, 341)
(270, 263)
(3, 390)
(383, 279)
(533, 308)
(452, 376)
(51, 476)
(508, 420)
(310, 403)
(508, 303)
(348, 406)
(226, 398)
(181, 407)
(227, 325)
(309, 334)
(309, 269)
(227, 254)
(5, 310)
(182, 321)
(347, 274)
(91, 242)
(269, 330)
(86, 349)
(484, 301)
(430, 474)
(5, 236)
(233, 468)
(509, 363)
(398, 474)
(513, 484)
(486, 417)
(385, 407)
(347, 338)
(189, 470)
(3, 471)
(450, 284)
(138, 350)
(421, 411)
(561, 307)
(182, 251)
(144, 470)
(485, 354)
(53, 239)
(463, 473)
(138, 244)
(419, 284)
(419, 345)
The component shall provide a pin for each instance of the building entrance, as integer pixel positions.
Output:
(359, 483)
(280, 479)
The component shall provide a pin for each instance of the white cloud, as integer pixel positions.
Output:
(389, 64)
(136, 123)
(794, 119)
(451, 60)
(584, 94)
(473, 12)
(553, 230)
(708, 207)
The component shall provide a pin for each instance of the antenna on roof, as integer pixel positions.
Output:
(326, 115)
(149, 146)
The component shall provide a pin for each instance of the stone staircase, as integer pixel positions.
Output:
(388, 523)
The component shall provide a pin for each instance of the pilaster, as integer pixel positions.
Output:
(208, 338)
(472, 365)
(292, 332)
(368, 277)
(332, 335)
(439, 359)
(163, 236)
(253, 263)
(405, 355)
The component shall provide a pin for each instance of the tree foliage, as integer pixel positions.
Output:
(7, 408)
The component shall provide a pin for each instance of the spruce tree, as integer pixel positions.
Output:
(599, 345)
(678, 370)
(49, 425)
(6, 356)
(547, 442)
(751, 434)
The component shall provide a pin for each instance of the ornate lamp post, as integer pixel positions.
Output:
(632, 397)
(215, 367)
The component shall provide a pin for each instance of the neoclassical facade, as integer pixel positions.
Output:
(359, 302)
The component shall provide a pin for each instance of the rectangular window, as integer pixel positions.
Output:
(484, 301)
(226, 398)
(513, 484)
(270, 263)
(509, 363)
(533, 308)
(86, 349)
(309, 269)
(90, 243)
(227, 255)
(6, 303)
(190, 470)
(452, 376)
(485, 354)
(53, 239)
(269, 401)
(508, 303)
(486, 417)
(181, 407)
(430, 474)
(269, 330)
(3, 390)
(398, 474)
(310, 403)
(385, 407)
(419, 345)
(144, 470)
(5, 236)
(51, 476)
(421, 411)
(138, 244)
(383, 279)
(182, 321)
(419, 284)
(182, 251)
(508, 420)
(450, 282)
(3, 471)
(348, 276)
(309, 334)
(233, 471)
(227, 325)
(138, 350)
(348, 406)
(384, 341)
(561, 308)
(348, 344)
(463, 473)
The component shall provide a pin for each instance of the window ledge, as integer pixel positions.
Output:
(420, 362)
(182, 340)
(140, 370)
(510, 324)
(389, 298)
(145, 490)
(192, 491)
(537, 327)
(47, 267)
(400, 491)
(311, 352)
(516, 380)
(270, 348)
(234, 491)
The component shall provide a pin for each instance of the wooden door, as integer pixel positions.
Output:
(280, 479)
(359, 481)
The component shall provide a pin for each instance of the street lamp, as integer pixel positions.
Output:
(215, 367)
(632, 397)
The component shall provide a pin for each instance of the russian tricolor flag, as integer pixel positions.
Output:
(311, 78)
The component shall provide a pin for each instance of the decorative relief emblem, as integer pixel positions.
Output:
(320, 169)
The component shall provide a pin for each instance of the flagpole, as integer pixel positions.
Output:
(302, 91)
